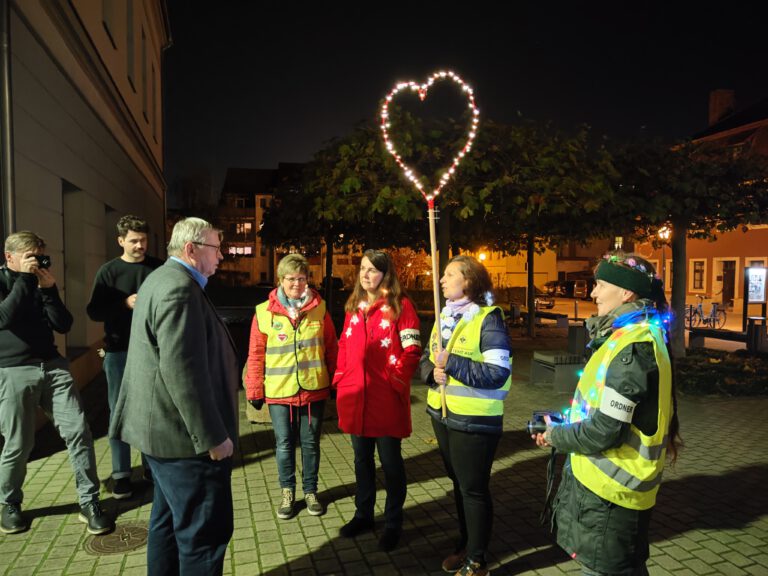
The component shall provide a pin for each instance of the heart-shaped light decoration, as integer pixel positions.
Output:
(422, 89)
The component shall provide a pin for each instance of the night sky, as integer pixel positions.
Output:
(251, 84)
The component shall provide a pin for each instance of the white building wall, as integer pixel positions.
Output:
(60, 144)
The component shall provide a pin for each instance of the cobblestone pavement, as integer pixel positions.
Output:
(711, 516)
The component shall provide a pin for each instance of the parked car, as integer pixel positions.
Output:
(550, 287)
(583, 289)
(565, 288)
(543, 300)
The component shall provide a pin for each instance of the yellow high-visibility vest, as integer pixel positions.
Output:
(294, 358)
(467, 400)
(629, 475)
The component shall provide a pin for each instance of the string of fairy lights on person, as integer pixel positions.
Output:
(422, 90)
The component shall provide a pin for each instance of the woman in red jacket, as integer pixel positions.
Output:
(379, 351)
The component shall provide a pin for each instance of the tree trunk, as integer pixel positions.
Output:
(329, 269)
(531, 328)
(679, 283)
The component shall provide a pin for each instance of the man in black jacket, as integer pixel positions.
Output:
(112, 302)
(33, 373)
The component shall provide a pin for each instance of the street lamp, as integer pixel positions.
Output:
(664, 233)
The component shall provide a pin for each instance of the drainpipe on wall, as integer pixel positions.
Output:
(8, 224)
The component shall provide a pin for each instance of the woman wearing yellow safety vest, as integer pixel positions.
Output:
(291, 354)
(475, 367)
(621, 424)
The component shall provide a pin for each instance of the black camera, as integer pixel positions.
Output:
(43, 260)
(537, 424)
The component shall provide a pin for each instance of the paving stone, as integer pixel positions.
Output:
(737, 559)
(698, 566)
(729, 569)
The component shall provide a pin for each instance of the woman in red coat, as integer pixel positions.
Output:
(379, 351)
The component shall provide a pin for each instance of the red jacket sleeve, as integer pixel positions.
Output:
(408, 330)
(341, 357)
(254, 376)
(331, 345)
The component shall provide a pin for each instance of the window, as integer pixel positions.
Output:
(239, 202)
(262, 276)
(263, 203)
(263, 250)
(243, 228)
(698, 272)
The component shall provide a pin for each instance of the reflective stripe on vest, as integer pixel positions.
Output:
(629, 475)
(461, 399)
(294, 359)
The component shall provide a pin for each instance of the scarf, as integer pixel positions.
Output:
(601, 327)
(452, 312)
(293, 305)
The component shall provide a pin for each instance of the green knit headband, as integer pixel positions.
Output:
(639, 282)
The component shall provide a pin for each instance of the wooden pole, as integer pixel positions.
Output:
(436, 290)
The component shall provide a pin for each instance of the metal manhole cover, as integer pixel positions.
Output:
(126, 537)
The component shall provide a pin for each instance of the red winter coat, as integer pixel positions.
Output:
(377, 359)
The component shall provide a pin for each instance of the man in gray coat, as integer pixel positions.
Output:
(178, 405)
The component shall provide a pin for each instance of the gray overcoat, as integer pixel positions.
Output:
(178, 397)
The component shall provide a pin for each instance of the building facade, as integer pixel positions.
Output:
(716, 269)
(85, 134)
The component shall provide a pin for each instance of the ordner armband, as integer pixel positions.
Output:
(617, 406)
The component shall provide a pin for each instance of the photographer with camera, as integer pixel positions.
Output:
(621, 424)
(33, 373)
(475, 367)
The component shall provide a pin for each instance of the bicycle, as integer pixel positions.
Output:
(694, 315)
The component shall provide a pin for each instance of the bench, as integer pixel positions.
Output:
(560, 368)
(696, 336)
(560, 318)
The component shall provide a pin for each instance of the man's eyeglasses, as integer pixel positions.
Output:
(218, 248)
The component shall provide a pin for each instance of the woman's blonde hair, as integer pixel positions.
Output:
(291, 264)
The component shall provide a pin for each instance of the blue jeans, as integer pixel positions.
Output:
(114, 366)
(50, 386)
(290, 423)
(191, 520)
(394, 478)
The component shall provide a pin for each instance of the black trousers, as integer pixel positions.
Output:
(468, 458)
(394, 478)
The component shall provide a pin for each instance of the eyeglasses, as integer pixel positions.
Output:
(218, 248)
(298, 280)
